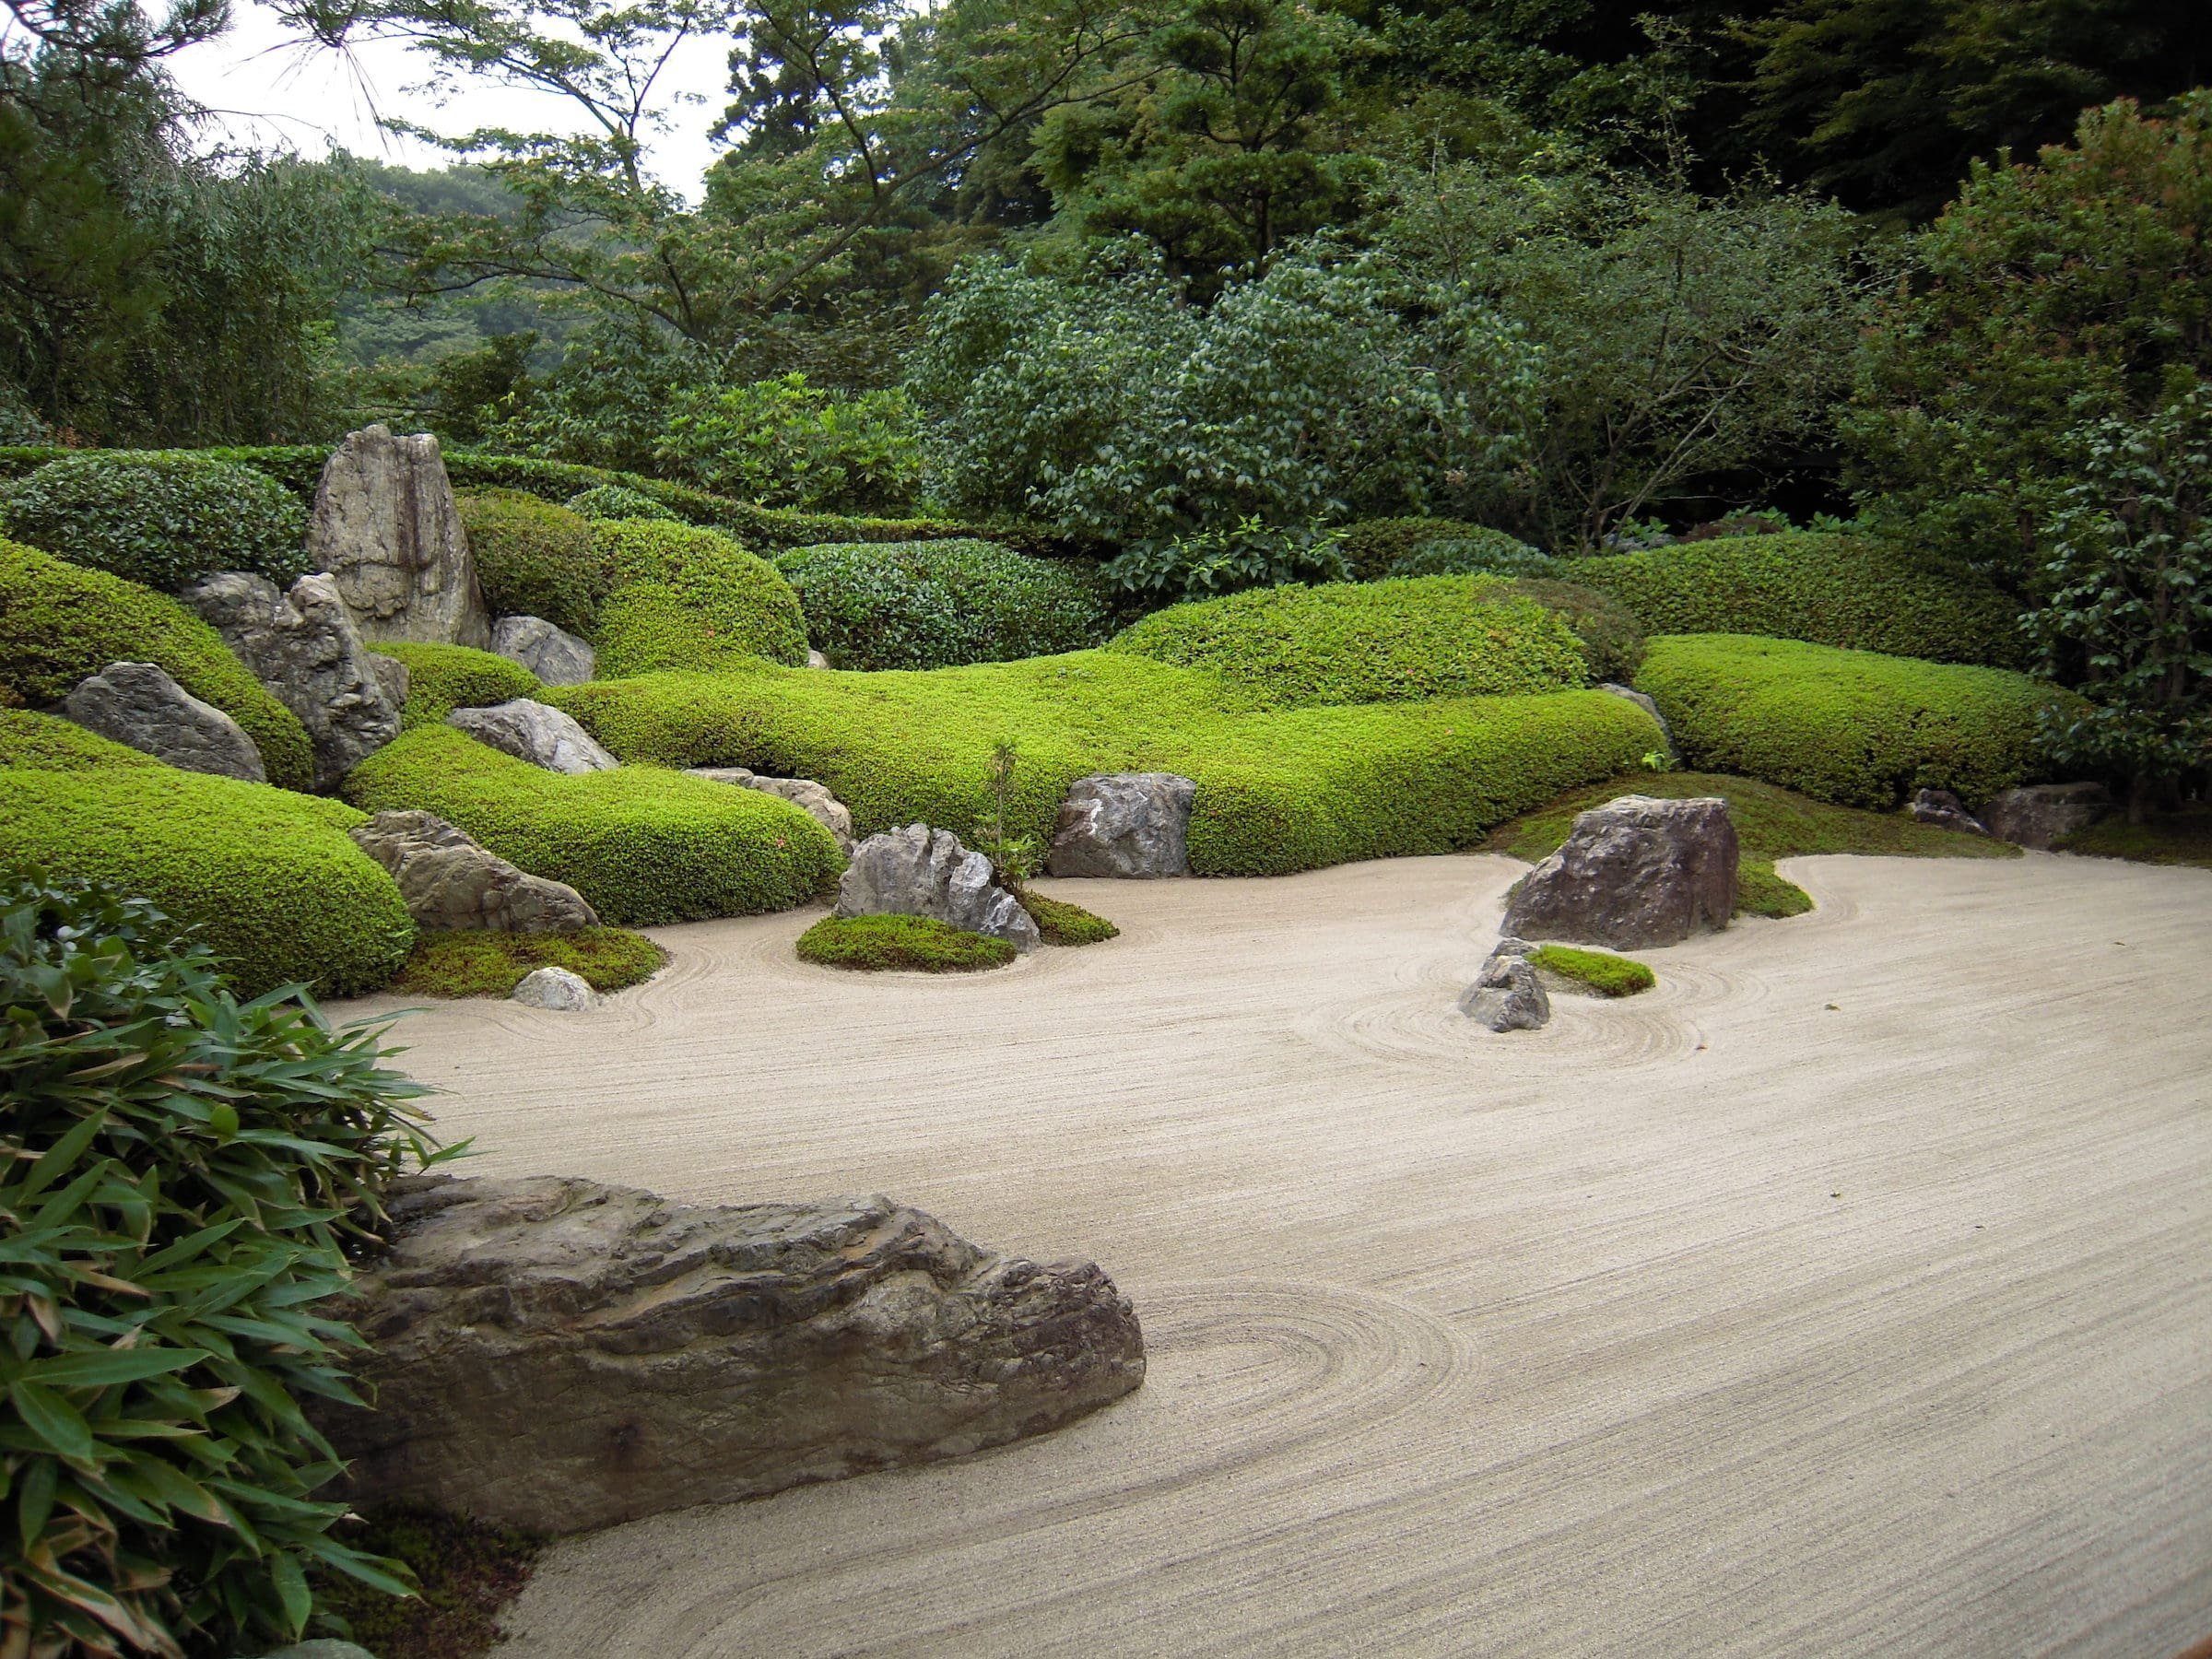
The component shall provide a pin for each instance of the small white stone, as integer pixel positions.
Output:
(556, 988)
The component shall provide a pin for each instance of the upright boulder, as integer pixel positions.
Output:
(556, 656)
(1124, 824)
(558, 1354)
(812, 798)
(535, 732)
(138, 704)
(2040, 814)
(452, 884)
(918, 871)
(303, 646)
(1635, 873)
(386, 529)
(1508, 994)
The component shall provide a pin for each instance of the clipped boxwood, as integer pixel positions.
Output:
(907, 944)
(533, 558)
(642, 844)
(1848, 727)
(684, 597)
(619, 502)
(1855, 592)
(1611, 640)
(1377, 548)
(267, 877)
(442, 679)
(1368, 642)
(160, 519)
(940, 603)
(60, 622)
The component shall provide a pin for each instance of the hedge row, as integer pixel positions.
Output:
(682, 597)
(269, 878)
(1377, 548)
(442, 679)
(942, 604)
(533, 558)
(161, 520)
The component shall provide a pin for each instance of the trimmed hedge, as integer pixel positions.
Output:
(60, 622)
(684, 597)
(1368, 642)
(1277, 791)
(904, 944)
(1853, 592)
(641, 844)
(533, 558)
(442, 679)
(1848, 727)
(942, 604)
(619, 501)
(1607, 631)
(160, 519)
(1378, 549)
(269, 878)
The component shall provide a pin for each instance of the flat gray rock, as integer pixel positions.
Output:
(1944, 810)
(137, 704)
(556, 656)
(812, 798)
(1131, 825)
(452, 884)
(535, 732)
(1635, 873)
(556, 990)
(918, 871)
(1508, 994)
(2043, 813)
(386, 528)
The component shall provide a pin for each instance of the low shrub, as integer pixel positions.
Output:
(1848, 727)
(269, 878)
(643, 845)
(1368, 642)
(442, 679)
(1061, 923)
(1377, 548)
(619, 502)
(683, 597)
(60, 622)
(160, 519)
(533, 558)
(1761, 890)
(1598, 970)
(1855, 591)
(478, 962)
(186, 1176)
(1611, 640)
(907, 944)
(940, 603)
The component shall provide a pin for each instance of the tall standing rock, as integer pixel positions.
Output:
(1634, 873)
(385, 527)
(918, 871)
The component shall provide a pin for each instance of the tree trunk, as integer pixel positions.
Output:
(2141, 791)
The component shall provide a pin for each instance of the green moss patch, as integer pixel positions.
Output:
(2170, 837)
(1061, 923)
(1760, 890)
(442, 679)
(477, 964)
(468, 1572)
(910, 944)
(938, 604)
(1596, 971)
(684, 598)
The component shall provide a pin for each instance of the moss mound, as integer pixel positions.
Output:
(161, 520)
(688, 599)
(1853, 592)
(1368, 642)
(533, 558)
(269, 878)
(643, 845)
(1598, 970)
(1061, 923)
(1761, 890)
(60, 622)
(908, 943)
(1377, 548)
(480, 963)
(940, 603)
(442, 679)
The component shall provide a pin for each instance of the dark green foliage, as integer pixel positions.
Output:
(533, 558)
(269, 878)
(1227, 558)
(907, 944)
(1368, 642)
(1610, 637)
(619, 501)
(187, 1173)
(940, 603)
(1597, 971)
(643, 845)
(161, 521)
(442, 679)
(1859, 593)
(2184, 837)
(1761, 891)
(466, 1573)
(685, 597)
(482, 963)
(1439, 547)
(1848, 726)
(1065, 923)
(60, 622)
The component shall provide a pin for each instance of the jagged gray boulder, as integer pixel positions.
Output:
(918, 871)
(557, 990)
(535, 732)
(454, 884)
(1635, 873)
(812, 798)
(556, 656)
(393, 677)
(1508, 994)
(555, 1354)
(138, 704)
(303, 646)
(386, 529)
(1642, 700)
(2040, 814)
(1944, 810)
(1123, 824)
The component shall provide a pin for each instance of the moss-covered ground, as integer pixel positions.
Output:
(911, 944)
(492, 964)
(2170, 837)
(468, 1571)
(1597, 971)
(1065, 923)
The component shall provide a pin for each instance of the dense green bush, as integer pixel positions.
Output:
(1848, 727)
(481, 962)
(1227, 558)
(684, 597)
(1439, 547)
(1855, 592)
(533, 558)
(1610, 637)
(1277, 791)
(787, 444)
(939, 604)
(1368, 642)
(186, 1176)
(160, 519)
(643, 845)
(619, 501)
(442, 679)
(268, 878)
(60, 622)
(908, 943)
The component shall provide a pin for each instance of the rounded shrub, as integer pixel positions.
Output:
(683, 597)
(442, 679)
(1611, 638)
(161, 520)
(642, 844)
(1377, 548)
(910, 944)
(1848, 726)
(619, 502)
(533, 558)
(268, 878)
(940, 603)
(1368, 642)
(60, 622)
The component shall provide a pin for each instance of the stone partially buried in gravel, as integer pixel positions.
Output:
(1124, 824)
(918, 871)
(2042, 812)
(139, 705)
(1635, 873)
(453, 883)
(556, 656)
(535, 732)
(556, 990)
(559, 1355)
(1508, 994)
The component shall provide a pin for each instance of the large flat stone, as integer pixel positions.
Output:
(454, 884)
(1636, 873)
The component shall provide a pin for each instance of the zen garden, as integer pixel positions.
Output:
(1105, 827)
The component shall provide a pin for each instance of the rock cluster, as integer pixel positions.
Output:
(386, 529)
(453, 883)
(1124, 824)
(812, 798)
(918, 871)
(1635, 873)
(139, 705)
(556, 656)
(2042, 814)
(535, 732)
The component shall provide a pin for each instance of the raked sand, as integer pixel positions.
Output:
(1851, 1293)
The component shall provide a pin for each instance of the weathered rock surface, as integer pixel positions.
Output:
(452, 882)
(138, 704)
(1635, 873)
(385, 527)
(556, 656)
(918, 871)
(556, 990)
(303, 646)
(1944, 810)
(393, 677)
(2042, 812)
(537, 733)
(1508, 994)
(559, 1355)
(1124, 824)
(1642, 700)
(812, 798)
(815, 659)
